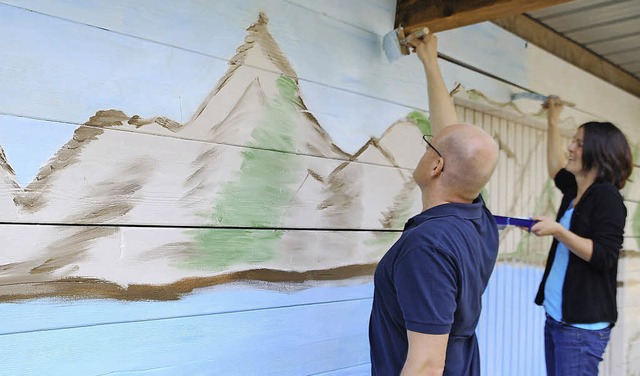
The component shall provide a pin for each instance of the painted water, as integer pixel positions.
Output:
(248, 329)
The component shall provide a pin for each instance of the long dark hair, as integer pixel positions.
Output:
(606, 148)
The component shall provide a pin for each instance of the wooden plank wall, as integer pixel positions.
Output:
(199, 188)
(230, 188)
(189, 213)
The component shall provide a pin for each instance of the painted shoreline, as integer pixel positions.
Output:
(92, 288)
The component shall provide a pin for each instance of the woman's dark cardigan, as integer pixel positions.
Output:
(589, 290)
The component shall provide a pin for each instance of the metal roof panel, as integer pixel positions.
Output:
(609, 28)
(606, 31)
(585, 19)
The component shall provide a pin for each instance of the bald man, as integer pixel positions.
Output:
(428, 286)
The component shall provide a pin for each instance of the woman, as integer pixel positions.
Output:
(578, 288)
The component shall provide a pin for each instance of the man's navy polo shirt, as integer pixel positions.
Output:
(431, 281)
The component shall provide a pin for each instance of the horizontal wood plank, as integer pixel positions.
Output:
(186, 66)
(164, 264)
(374, 77)
(371, 75)
(379, 13)
(315, 339)
(57, 313)
(113, 174)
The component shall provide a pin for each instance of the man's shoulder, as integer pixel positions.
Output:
(432, 233)
(452, 222)
(447, 226)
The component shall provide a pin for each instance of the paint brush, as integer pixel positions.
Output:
(394, 43)
(539, 97)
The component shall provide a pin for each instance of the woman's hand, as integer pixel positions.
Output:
(546, 226)
(554, 106)
(581, 247)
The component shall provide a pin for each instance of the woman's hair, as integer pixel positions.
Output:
(606, 148)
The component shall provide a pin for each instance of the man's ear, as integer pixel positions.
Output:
(437, 168)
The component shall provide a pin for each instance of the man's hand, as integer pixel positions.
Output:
(442, 112)
(425, 45)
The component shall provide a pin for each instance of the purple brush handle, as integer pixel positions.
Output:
(513, 221)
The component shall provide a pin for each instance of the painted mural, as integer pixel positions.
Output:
(250, 188)
(183, 226)
(252, 176)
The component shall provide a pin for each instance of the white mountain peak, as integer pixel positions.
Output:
(258, 37)
(258, 57)
(403, 140)
(8, 188)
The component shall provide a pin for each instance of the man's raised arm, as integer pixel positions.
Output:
(442, 113)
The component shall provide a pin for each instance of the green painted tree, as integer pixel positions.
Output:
(259, 195)
(421, 120)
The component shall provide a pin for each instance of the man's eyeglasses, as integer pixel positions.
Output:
(425, 138)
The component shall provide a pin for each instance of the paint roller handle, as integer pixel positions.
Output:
(525, 223)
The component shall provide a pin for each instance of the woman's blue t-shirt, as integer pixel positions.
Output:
(555, 280)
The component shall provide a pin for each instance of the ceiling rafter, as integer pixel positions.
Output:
(440, 15)
(570, 51)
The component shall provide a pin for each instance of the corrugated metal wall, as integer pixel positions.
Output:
(510, 329)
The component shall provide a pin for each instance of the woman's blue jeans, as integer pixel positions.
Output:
(571, 351)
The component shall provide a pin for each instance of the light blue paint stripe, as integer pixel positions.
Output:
(359, 370)
(288, 341)
(47, 314)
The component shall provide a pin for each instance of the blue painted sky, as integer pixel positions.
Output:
(29, 143)
(157, 58)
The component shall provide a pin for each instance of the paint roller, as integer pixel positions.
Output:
(539, 97)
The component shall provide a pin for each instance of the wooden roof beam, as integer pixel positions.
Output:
(439, 15)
